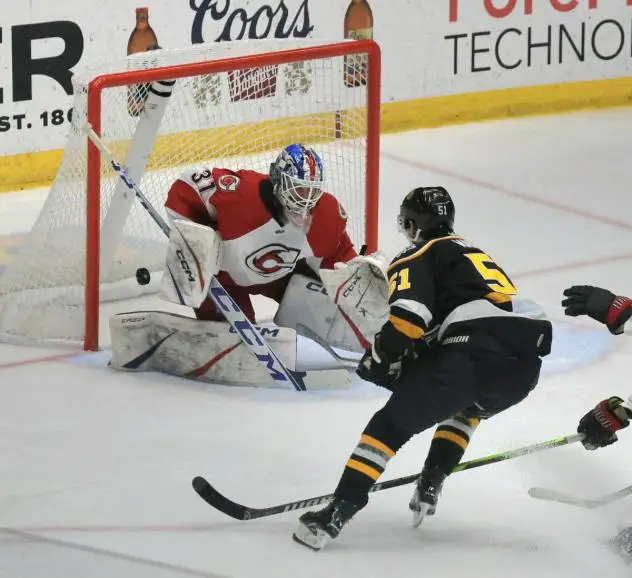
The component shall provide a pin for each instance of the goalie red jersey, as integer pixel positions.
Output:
(264, 235)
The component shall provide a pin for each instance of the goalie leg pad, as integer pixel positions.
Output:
(187, 347)
(306, 303)
(205, 350)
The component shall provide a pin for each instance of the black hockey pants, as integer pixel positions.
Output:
(449, 379)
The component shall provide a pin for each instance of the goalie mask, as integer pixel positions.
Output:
(297, 176)
(426, 213)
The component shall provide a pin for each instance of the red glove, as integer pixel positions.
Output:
(600, 423)
(600, 304)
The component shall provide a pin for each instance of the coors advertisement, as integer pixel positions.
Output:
(228, 20)
(234, 20)
(225, 20)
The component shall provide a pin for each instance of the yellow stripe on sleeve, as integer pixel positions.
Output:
(406, 327)
(498, 297)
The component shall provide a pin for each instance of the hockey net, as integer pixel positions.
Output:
(231, 105)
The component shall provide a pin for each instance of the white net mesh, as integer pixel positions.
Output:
(238, 119)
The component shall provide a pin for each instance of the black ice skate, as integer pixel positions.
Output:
(424, 500)
(317, 528)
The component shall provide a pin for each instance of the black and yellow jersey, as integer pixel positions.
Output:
(427, 283)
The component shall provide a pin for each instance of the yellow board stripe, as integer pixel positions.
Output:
(421, 251)
(506, 103)
(363, 468)
(406, 327)
(29, 170)
(474, 421)
(448, 435)
(377, 444)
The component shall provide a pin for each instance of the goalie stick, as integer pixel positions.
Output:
(555, 496)
(223, 301)
(240, 512)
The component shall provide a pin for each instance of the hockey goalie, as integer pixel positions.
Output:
(279, 235)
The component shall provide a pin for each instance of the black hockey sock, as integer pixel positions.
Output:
(379, 442)
(449, 443)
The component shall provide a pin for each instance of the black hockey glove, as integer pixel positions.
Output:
(600, 423)
(600, 304)
(379, 366)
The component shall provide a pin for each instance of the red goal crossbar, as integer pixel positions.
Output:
(119, 79)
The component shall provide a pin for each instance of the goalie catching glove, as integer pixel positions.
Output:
(600, 423)
(360, 290)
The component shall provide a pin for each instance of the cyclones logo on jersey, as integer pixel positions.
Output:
(271, 259)
(228, 183)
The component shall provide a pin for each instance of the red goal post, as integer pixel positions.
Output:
(238, 109)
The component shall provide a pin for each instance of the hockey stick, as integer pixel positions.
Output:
(240, 512)
(223, 301)
(555, 496)
(345, 362)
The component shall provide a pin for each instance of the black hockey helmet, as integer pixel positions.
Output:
(425, 213)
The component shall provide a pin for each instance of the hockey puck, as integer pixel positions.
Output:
(142, 276)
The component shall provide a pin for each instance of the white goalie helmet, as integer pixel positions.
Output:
(297, 176)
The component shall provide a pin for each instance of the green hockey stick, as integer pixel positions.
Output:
(240, 512)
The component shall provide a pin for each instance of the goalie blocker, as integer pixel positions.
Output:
(193, 257)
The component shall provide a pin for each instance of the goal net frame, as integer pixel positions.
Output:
(100, 83)
(60, 300)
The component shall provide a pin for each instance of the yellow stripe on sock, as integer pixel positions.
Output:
(363, 468)
(377, 444)
(454, 438)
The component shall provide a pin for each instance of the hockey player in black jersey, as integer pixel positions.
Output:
(453, 352)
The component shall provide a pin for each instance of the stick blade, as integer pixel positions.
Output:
(220, 502)
(554, 496)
